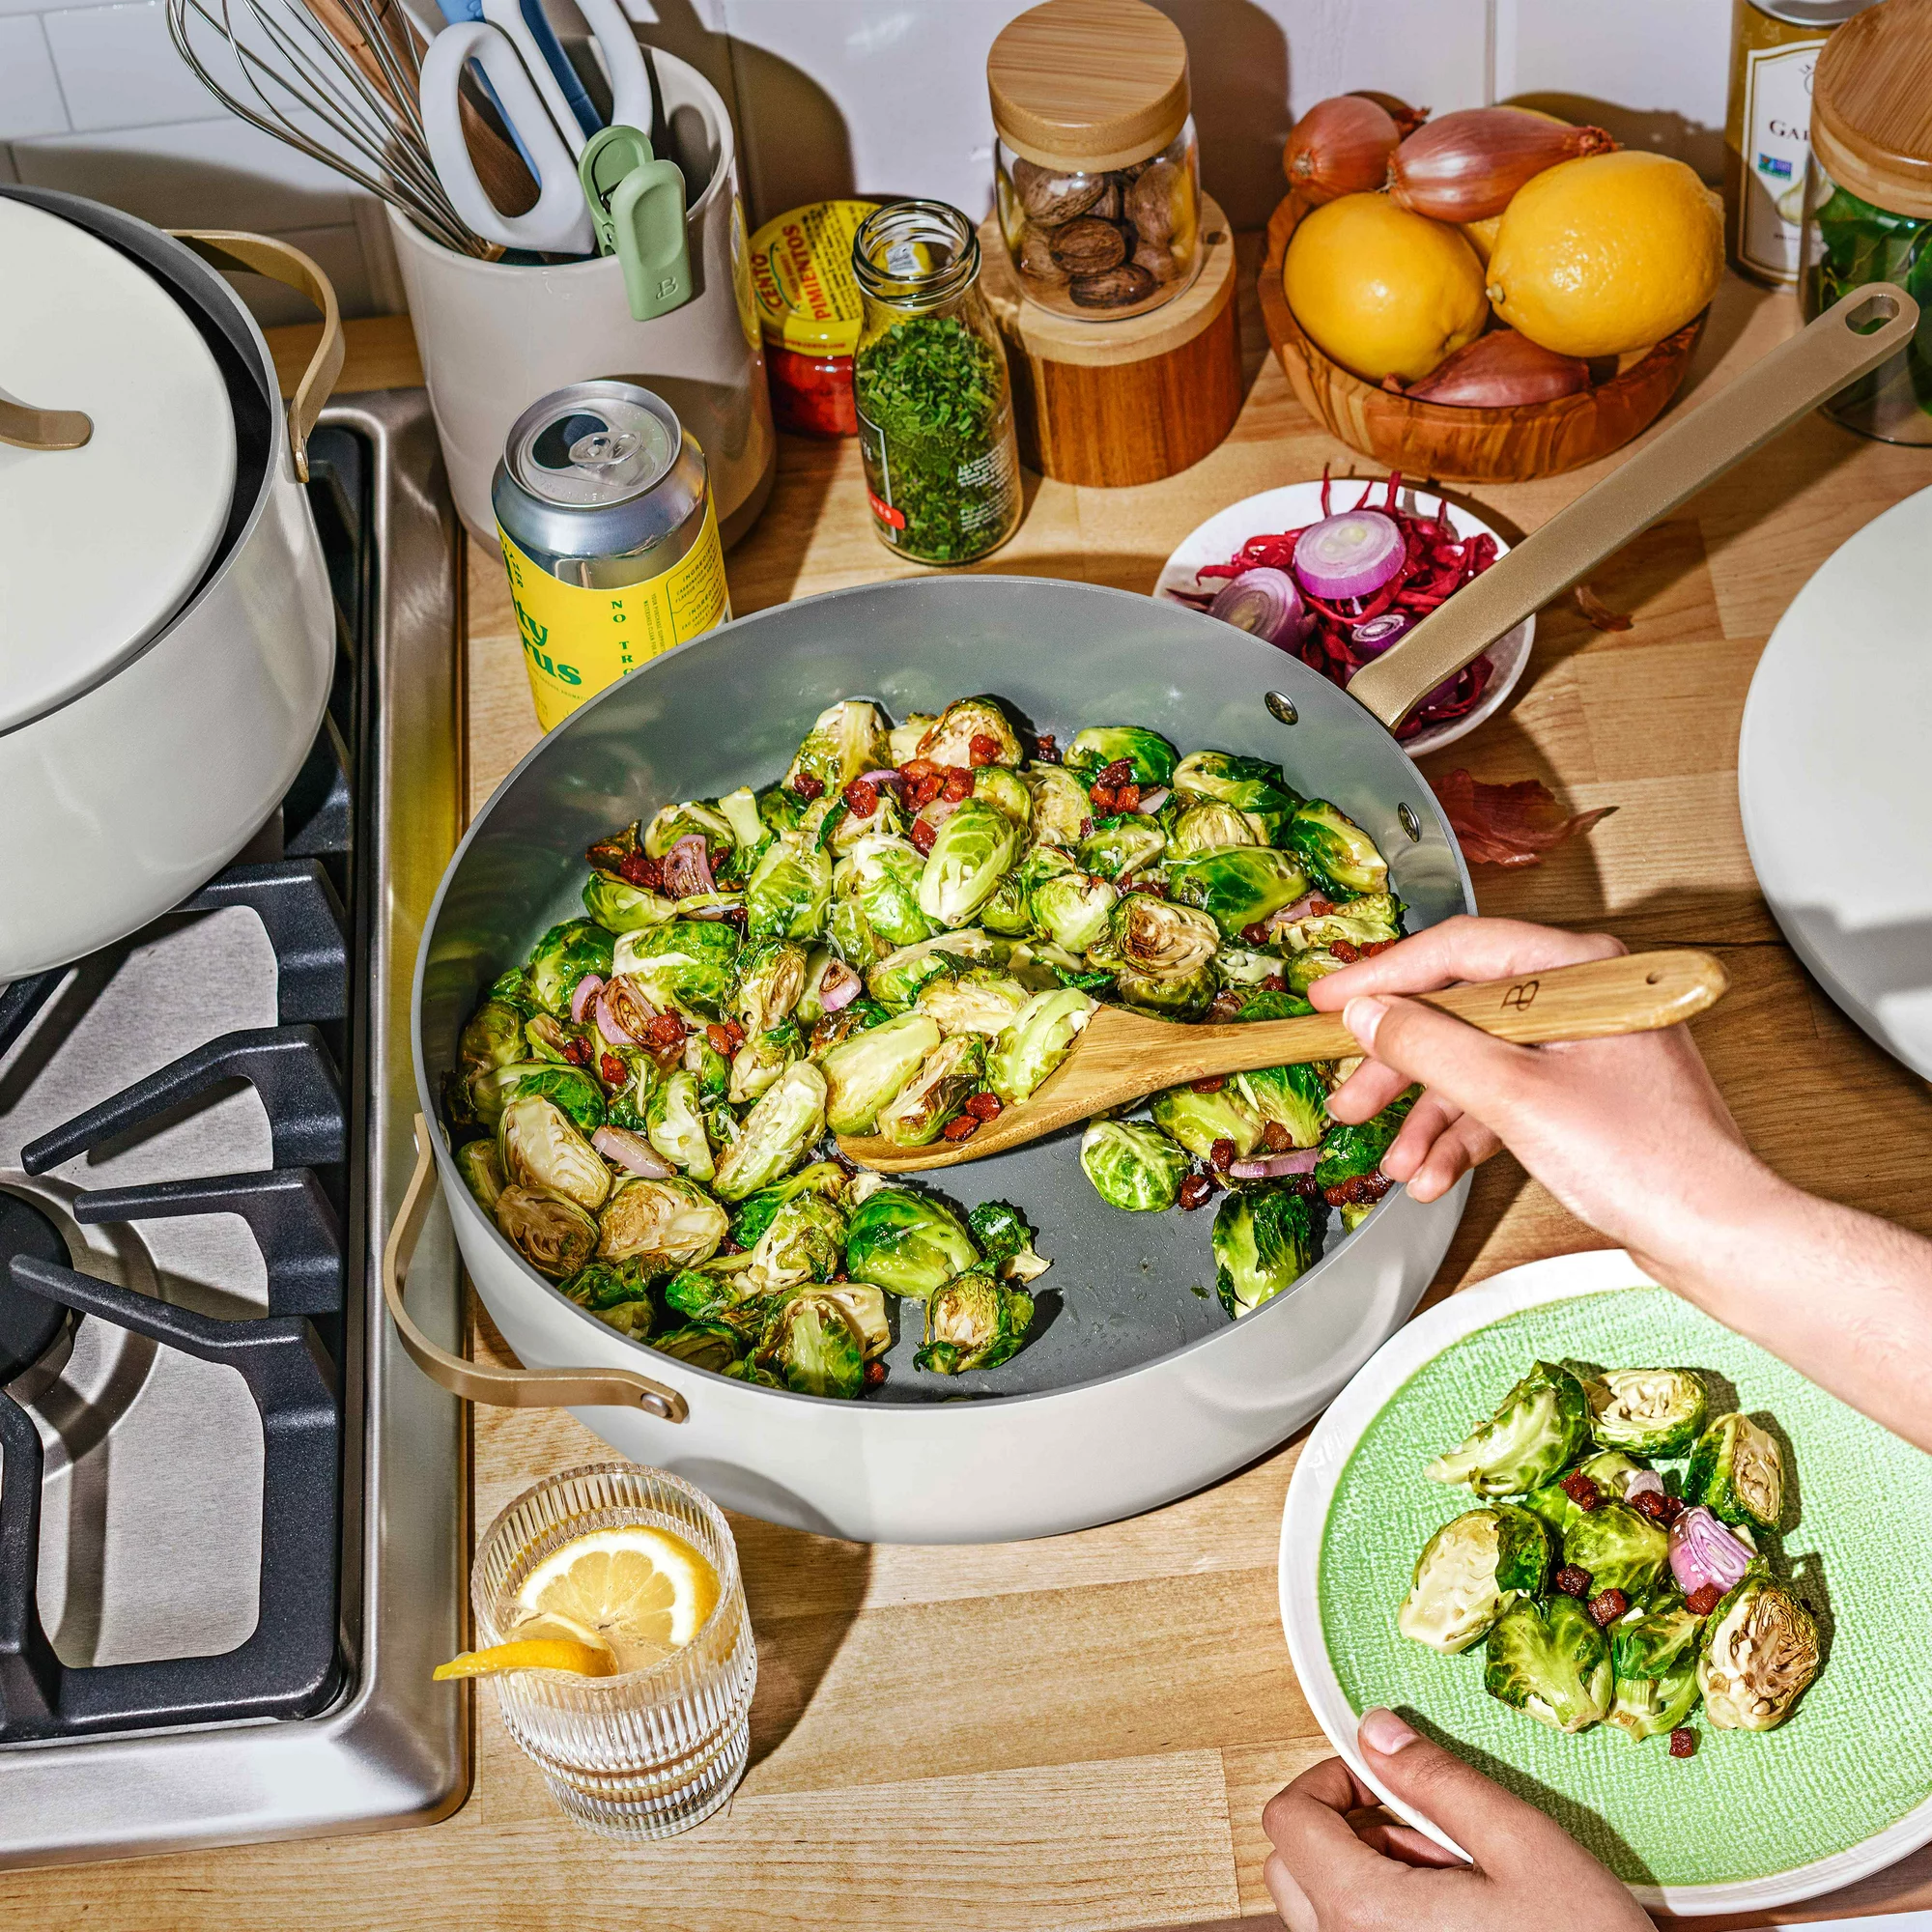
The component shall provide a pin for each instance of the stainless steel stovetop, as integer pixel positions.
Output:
(160, 1480)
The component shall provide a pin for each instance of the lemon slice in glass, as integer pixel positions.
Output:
(641, 1590)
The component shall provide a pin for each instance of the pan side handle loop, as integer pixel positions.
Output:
(476, 1382)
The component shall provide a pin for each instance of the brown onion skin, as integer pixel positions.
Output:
(1499, 371)
(1342, 146)
(1465, 166)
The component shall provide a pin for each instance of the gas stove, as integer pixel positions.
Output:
(232, 1514)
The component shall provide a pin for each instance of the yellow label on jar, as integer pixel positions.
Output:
(578, 641)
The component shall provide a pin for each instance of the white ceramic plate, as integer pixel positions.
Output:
(1297, 504)
(1832, 780)
(1312, 1492)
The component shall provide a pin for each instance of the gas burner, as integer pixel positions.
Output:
(29, 1326)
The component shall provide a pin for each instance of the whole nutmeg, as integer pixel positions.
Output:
(1108, 207)
(1050, 199)
(1158, 260)
(1151, 201)
(1088, 247)
(1036, 257)
(1119, 287)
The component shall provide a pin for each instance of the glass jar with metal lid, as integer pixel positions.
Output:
(929, 380)
(1871, 148)
(1098, 173)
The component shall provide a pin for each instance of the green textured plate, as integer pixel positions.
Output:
(1838, 1791)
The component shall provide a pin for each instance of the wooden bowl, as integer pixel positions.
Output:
(1439, 439)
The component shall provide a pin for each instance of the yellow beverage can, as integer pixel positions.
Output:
(609, 536)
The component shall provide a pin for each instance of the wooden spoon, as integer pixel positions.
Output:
(1123, 1056)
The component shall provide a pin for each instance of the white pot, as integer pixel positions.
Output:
(124, 796)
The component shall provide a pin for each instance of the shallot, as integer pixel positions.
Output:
(1152, 801)
(1702, 1550)
(1302, 1161)
(839, 987)
(1465, 166)
(1264, 602)
(1350, 556)
(687, 868)
(1341, 146)
(588, 989)
(633, 1152)
(1499, 371)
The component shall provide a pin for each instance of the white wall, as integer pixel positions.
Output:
(877, 95)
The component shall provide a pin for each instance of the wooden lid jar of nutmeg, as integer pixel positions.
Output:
(1099, 191)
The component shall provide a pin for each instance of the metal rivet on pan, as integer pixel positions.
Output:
(1409, 824)
(1283, 707)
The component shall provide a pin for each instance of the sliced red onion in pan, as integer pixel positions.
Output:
(633, 1152)
(1374, 635)
(608, 1024)
(1152, 801)
(839, 987)
(1645, 1483)
(1702, 1550)
(1303, 908)
(1302, 1161)
(888, 776)
(1265, 604)
(687, 868)
(940, 811)
(1350, 556)
(588, 989)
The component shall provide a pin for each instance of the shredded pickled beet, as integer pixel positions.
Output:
(1608, 1607)
(576, 1052)
(875, 1374)
(666, 1029)
(726, 1037)
(984, 1106)
(1213, 1084)
(808, 787)
(637, 869)
(613, 1070)
(964, 1127)
(1358, 1190)
(958, 784)
(862, 797)
(1571, 1581)
(1684, 1742)
(921, 835)
(1703, 1600)
(1195, 1189)
(982, 750)
(1222, 1154)
(1581, 1491)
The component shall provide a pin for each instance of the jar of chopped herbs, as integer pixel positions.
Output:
(929, 378)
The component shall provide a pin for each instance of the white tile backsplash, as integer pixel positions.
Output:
(30, 96)
(118, 68)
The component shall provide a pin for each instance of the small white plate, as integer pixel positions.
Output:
(1296, 505)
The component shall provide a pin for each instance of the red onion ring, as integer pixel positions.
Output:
(838, 988)
(588, 989)
(1302, 1161)
(888, 776)
(1350, 556)
(1265, 603)
(633, 1152)
(687, 868)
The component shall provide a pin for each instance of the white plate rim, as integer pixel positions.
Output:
(1311, 1490)
(1219, 536)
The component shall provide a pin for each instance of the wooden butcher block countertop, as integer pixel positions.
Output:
(1082, 1732)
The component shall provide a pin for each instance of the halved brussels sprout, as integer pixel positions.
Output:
(739, 810)
(1197, 1121)
(754, 1212)
(949, 740)
(686, 963)
(1072, 907)
(1242, 966)
(1153, 758)
(850, 935)
(1610, 1470)
(836, 1028)
(719, 1289)
(845, 831)
(554, 1235)
(482, 1170)
(1272, 1004)
(1538, 1429)
(1036, 1040)
(1248, 785)
(660, 1224)
(756, 1064)
(512, 988)
(1653, 1411)
(1263, 1240)
(1238, 886)
(936, 1093)
(973, 1321)
(881, 876)
(569, 1087)
(1161, 954)
(1470, 1573)
(619, 906)
(1303, 968)
(972, 849)
(895, 982)
(770, 979)
(1117, 848)
(789, 890)
(981, 1000)
(847, 740)
(1737, 1472)
(1004, 790)
(906, 1242)
(1551, 1660)
(691, 816)
(604, 1285)
(1133, 1166)
(1351, 1150)
(1336, 851)
(674, 1125)
(1060, 804)
(774, 1133)
(541, 1149)
(1210, 827)
(805, 1241)
(817, 1346)
(1621, 1549)
(1006, 1240)
(1654, 1661)
(866, 1071)
(1365, 922)
(561, 958)
(1295, 1098)
(550, 1038)
(705, 1345)
(902, 740)
(492, 1037)
(1760, 1651)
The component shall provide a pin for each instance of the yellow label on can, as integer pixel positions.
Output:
(577, 642)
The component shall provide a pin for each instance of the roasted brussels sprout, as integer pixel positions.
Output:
(1117, 848)
(1271, 1003)
(1006, 1240)
(1060, 804)
(554, 1235)
(1610, 1469)
(1303, 968)
(907, 1243)
(1621, 1549)
(482, 1170)
(814, 1345)
(774, 1135)
(790, 889)
(949, 739)
(541, 1149)
(864, 1072)
(805, 1241)
(1036, 1040)
(1161, 955)
(1737, 1472)
(1470, 1573)
(973, 1321)
(686, 963)
(1243, 966)
(1238, 886)
(512, 988)
(1651, 1411)
(1551, 1660)
(1336, 851)
(660, 1224)
(1369, 921)
(1004, 790)
(1251, 786)
(562, 957)
(1210, 827)
(972, 849)
(1539, 1429)
(881, 876)
(739, 810)
(712, 1290)
(1295, 1098)
(684, 821)
(902, 740)
(704, 1345)
(1153, 758)
(847, 740)
(674, 1125)
(850, 935)
(1263, 1238)
(895, 982)
(550, 1038)
(569, 1087)
(1131, 1166)
(493, 1037)
(1197, 1121)
(1760, 1651)
(1348, 1151)
(770, 979)
(619, 906)
(981, 1000)
(936, 1093)
(1654, 1663)
(754, 1212)
(756, 1064)
(1072, 907)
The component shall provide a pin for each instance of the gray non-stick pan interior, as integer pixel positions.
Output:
(729, 709)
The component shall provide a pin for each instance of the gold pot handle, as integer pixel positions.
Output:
(473, 1381)
(232, 251)
(24, 427)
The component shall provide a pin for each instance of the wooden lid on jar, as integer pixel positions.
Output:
(1087, 85)
(1871, 106)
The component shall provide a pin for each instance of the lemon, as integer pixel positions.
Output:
(1605, 254)
(1483, 235)
(1381, 290)
(641, 1590)
(536, 1653)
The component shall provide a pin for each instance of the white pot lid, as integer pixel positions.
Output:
(100, 546)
